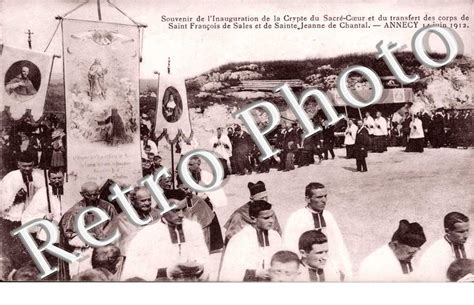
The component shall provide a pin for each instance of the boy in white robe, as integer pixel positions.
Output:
(316, 264)
(435, 261)
(349, 138)
(380, 133)
(247, 256)
(172, 249)
(369, 123)
(38, 207)
(222, 147)
(315, 216)
(393, 261)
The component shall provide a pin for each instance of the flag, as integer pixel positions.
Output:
(172, 112)
(24, 78)
(101, 75)
(398, 95)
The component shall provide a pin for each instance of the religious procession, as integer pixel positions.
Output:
(400, 212)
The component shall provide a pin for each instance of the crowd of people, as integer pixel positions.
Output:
(253, 244)
(415, 131)
(177, 245)
(44, 139)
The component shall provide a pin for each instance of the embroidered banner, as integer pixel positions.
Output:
(172, 112)
(24, 81)
(101, 74)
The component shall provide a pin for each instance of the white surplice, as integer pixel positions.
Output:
(435, 261)
(9, 187)
(331, 273)
(151, 249)
(301, 221)
(38, 209)
(383, 266)
(244, 253)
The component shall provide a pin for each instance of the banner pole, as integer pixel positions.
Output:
(98, 10)
(43, 148)
(172, 165)
(64, 88)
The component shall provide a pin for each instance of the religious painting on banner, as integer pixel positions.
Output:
(101, 73)
(172, 112)
(398, 95)
(24, 81)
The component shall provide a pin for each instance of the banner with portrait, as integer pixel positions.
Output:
(172, 111)
(24, 78)
(101, 75)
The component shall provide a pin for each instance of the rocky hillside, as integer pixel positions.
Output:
(449, 86)
(446, 87)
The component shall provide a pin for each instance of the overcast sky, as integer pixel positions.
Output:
(195, 51)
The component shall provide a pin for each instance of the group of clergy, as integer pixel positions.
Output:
(176, 245)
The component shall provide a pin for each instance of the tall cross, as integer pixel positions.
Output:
(29, 33)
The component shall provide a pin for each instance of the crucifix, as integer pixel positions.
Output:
(29, 33)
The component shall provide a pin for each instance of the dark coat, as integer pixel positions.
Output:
(362, 143)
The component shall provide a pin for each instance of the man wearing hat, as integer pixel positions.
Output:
(453, 245)
(240, 217)
(315, 216)
(17, 189)
(172, 249)
(249, 252)
(393, 262)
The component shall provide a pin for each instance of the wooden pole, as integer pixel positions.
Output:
(98, 10)
(172, 165)
(47, 187)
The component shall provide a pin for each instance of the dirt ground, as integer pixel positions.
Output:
(368, 206)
